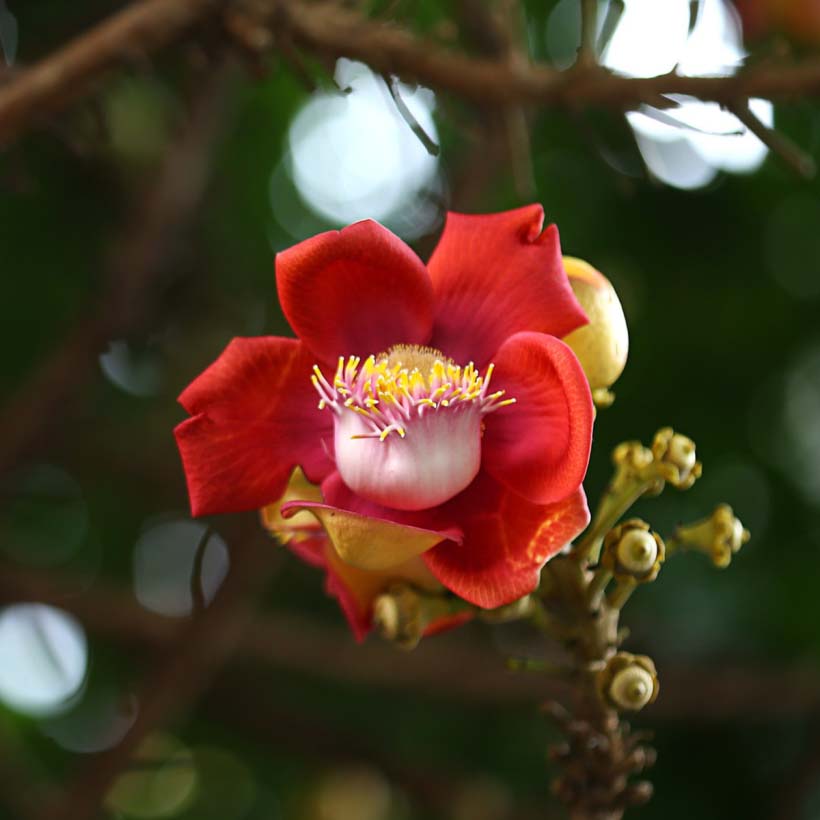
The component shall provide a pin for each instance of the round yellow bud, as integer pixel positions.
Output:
(386, 616)
(628, 682)
(637, 551)
(675, 458)
(397, 615)
(602, 345)
(681, 453)
(632, 688)
(632, 551)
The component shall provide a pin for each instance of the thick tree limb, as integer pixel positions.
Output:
(67, 74)
(338, 32)
(330, 29)
(794, 156)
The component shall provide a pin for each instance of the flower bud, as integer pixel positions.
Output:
(404, 612)
(628, 682)
(602, 345)
(398, 617)
(631, 550)
(720, 536)
(637, 794)
(676, 458)
(632, 456)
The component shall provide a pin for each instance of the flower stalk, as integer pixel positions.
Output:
(586, 589)
(720, 536)
(639, 471)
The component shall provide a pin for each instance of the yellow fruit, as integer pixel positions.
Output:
(603, 344)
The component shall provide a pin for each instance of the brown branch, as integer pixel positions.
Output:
(498, 34)
(334, 31)
(67, 74)
(589, 29)
(430, 145)
(794, 156)
(337, 32)
(450, 666)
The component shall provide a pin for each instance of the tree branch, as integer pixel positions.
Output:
(67, 74)
(589, 31)
(794, 156)
(337, 32)
(446, 666)
(334, 31)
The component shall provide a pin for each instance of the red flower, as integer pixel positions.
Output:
(421, 463)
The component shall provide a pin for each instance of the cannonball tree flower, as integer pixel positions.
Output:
(443, 424)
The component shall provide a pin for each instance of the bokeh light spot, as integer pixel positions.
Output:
(139, 113)
(44, 518)
(355, 791)
(564, 33)
(650, 38)
(800, 450)
(793, 246)
(161, 783)
(482, 798)
(354, 157)
(98, 722)
(9, 31)
(136, 373)
(164, 561)
(676, 162)
(686, 145)
(226, 786)
(43, 658)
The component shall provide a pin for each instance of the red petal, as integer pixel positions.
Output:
(506, 542)
(494, 275)
(358, 611)
(539, 446)
(446, 623)
(301, 534)
(255, 418)
(355, 291)
(310, 550)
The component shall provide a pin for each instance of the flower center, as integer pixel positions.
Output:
(407, 424)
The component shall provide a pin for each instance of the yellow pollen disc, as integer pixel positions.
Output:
(404, 384)
(415, 357)
(396, 380)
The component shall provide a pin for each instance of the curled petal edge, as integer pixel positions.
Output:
(507, 541)
(369, 543)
